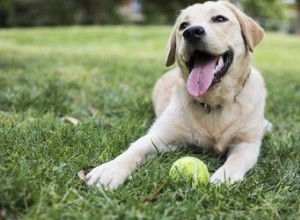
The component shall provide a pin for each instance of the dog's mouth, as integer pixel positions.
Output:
(206, 70)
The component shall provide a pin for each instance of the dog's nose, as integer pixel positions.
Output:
(194, 33)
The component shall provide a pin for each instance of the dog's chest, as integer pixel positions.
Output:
(215, 129)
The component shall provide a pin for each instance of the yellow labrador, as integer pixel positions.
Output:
(214, 100)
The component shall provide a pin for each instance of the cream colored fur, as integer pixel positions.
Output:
(235, 122)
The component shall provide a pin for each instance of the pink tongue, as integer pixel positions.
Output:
(201, 77)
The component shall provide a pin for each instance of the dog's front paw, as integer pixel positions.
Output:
(223, 175)
(109, 175)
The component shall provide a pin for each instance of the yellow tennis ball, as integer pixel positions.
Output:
(190, 169)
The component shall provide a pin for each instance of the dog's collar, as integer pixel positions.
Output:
(244, 83)
(246, 79)
(207, 108)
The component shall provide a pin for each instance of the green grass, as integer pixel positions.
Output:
(48, 74)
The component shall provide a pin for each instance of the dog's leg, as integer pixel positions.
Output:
(112, 174)
(240, 159)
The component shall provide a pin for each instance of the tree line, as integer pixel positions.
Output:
(86, 12)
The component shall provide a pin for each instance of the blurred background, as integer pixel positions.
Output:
(273, 15)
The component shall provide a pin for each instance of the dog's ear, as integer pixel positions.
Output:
(251, 31)
(172, 47)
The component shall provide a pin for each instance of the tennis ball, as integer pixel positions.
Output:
(191, 170)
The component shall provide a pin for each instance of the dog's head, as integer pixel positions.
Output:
(211, 41)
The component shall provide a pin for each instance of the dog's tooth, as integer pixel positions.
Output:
(219, 65)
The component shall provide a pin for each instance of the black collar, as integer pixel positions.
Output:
(207, 108)
(246, 79)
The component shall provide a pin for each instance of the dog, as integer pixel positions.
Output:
(214, 100)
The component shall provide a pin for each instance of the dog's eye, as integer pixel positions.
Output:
(219, 19)
(183, 25)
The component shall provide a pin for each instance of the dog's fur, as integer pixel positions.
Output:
(228, 118)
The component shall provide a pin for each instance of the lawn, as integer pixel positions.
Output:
(102, 78)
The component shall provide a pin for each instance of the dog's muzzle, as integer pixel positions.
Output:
(206, 70)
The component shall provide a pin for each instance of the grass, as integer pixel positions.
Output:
(47, 75)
